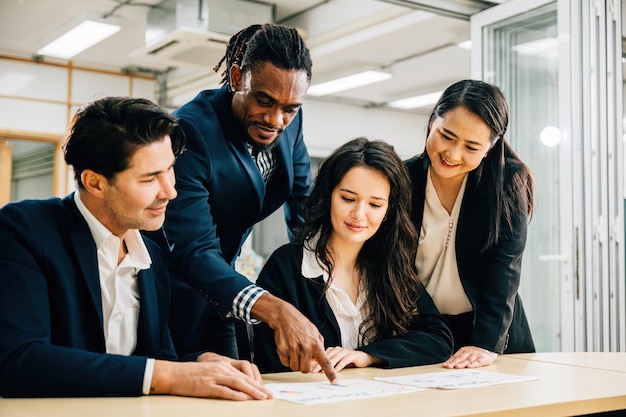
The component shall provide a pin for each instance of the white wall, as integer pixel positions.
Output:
(328, 125)
(34, 97)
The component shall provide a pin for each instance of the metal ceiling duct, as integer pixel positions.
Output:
(459, 9)
(187, 33)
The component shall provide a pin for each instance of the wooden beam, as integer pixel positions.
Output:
(6, 164)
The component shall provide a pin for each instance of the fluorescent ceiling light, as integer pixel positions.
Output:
(347, 82)
(417, 101)
(82, 36)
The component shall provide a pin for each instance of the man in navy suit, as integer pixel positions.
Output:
(84, 299)
(246, 158)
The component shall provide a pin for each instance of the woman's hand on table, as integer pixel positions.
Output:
(470, 357)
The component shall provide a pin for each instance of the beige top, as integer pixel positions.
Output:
(436, 254)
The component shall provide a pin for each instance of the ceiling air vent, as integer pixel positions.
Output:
(194, 33)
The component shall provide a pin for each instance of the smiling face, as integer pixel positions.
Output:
(135, 198)
(457, 144)
(266, 99)
(358, 205)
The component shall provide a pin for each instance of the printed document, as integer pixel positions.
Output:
(324, 392)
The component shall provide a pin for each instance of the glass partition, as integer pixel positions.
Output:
(520, 54)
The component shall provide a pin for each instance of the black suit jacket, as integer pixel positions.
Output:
(52, 339)
(428, 341)
(490, 278)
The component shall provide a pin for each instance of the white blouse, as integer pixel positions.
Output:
(349, 315)
(436, 254)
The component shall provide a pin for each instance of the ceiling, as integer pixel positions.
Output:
(417, 41)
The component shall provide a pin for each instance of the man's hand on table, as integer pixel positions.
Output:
(208, 379)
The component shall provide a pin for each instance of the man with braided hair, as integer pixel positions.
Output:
(245, 158)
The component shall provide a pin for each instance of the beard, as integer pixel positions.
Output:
(256, 148)
(259, 147)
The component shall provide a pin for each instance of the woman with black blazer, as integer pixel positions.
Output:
(472, 200)
(352, 274)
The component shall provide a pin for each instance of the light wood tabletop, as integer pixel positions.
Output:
(562, 390)
(611, 361)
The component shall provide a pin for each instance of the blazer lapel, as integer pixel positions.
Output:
(284, 156)
(245, 159)
(315, 287)
(87, 255)
(418, 173)
(148, 313)
(88, 260)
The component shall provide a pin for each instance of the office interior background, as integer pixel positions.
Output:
(560, 64)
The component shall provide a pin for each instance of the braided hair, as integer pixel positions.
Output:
(257, 44)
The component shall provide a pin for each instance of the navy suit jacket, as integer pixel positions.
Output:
(52, 339)
(490, 278)
(221, 196)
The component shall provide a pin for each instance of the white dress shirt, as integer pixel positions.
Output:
(118, 287)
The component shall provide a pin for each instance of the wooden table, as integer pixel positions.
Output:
(564, 389)
(610, 361)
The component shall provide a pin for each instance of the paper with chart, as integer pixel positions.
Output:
(457, 379)
(324, 392)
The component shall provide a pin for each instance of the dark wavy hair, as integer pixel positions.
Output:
(386, 261)
(506, 181)
(105, 133)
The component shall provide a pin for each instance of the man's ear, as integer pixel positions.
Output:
(236, 77)
(93, 182)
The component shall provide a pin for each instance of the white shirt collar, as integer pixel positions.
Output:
(137, 250)
(311, 267)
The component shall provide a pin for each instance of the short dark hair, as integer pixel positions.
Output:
(256, 44)
(105, 133)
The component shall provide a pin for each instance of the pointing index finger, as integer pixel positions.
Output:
(327, 367)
